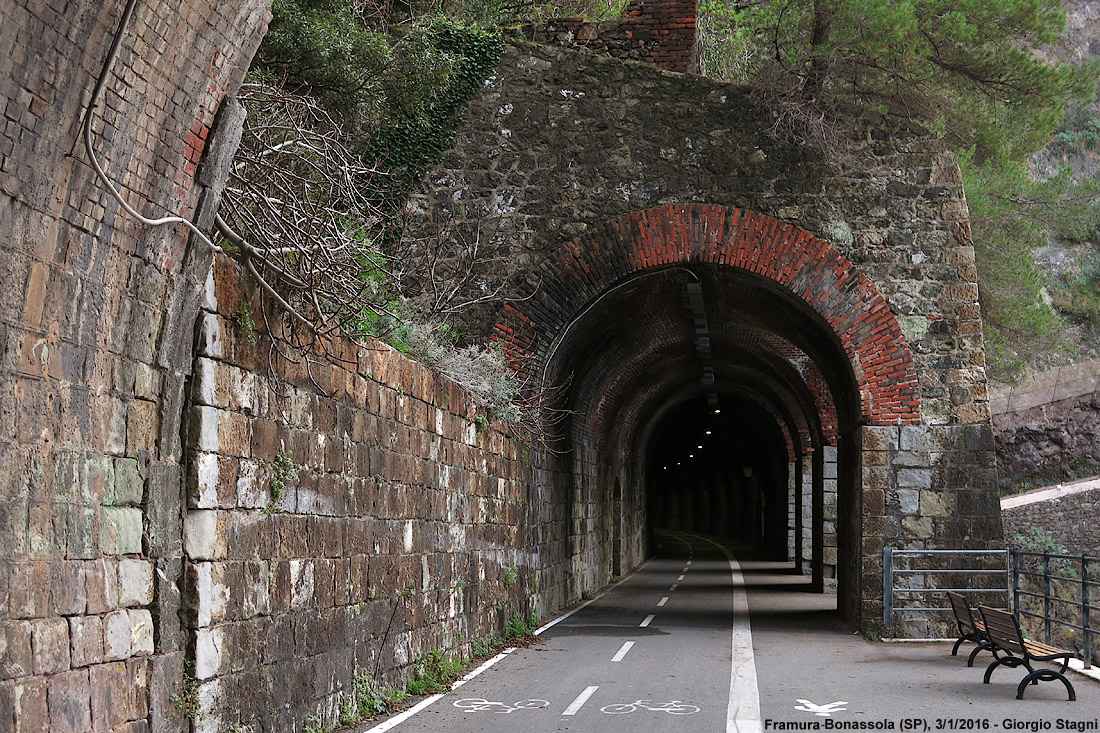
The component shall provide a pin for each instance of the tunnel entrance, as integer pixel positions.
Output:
(721, 471)
(677, 321)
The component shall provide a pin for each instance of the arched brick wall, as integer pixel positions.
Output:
(782, 252)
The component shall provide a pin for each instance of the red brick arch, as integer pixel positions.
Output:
(782, 252)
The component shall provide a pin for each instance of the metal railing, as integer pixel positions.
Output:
(922, 582)
(1057, 590)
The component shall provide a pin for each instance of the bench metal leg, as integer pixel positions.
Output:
(984, 646)
(1007, 661)
(1045, 675)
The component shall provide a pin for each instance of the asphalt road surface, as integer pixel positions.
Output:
(672, 648)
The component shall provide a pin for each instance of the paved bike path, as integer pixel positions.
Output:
(665, 650)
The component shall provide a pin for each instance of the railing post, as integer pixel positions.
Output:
(1086, 628)
(888, 586)
(1015, 581)
(1047, 605)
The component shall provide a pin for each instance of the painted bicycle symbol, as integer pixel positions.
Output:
(673, 707)
(481, 705)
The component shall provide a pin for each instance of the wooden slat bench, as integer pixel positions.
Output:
(1003, 629)
(970, 628)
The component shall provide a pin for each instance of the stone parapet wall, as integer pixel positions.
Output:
(1054, 385)
(1048, 427)
(405, 526)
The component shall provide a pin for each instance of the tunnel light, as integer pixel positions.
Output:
(691, 455)
(700, 447)
(746, 471)
(716, 411)
(708, 432)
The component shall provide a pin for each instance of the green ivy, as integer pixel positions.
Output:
(407, 145)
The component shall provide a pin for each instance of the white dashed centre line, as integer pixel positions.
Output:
(582, 698)
(622, 652)
(662, 602)
(673, 586)
(647, 620)
(680, 578)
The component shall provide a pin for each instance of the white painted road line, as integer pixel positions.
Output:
(398, 719)
(743, 713)
(582, 698)
(680, 578)
(662, 602)
(622, 652)
(647, 620)
(673, 586)
(689, 563)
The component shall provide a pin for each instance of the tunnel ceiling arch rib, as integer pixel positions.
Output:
(679, 236)
(627, 395)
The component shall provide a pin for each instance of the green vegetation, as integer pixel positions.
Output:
(246, 327)
(282, 473)
(367, 700)
(510, 575)
(393, 81)
(434, 673)
(186, 697)
(966, 70)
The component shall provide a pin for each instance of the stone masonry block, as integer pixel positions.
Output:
(203, 482)
(110, 695)
(86, 640)
(208, 652)
(142, 426)
(101, 585)
(69, 700)
(205, 390)
(135, 581)
(879, 438)
(211, 336)
(121, 530)
(128, 485)
(937, 503)
(32, 714)
(234, 434)
(50, 643)
(918, 478)
(16, 656)
(212, 592)
(204, 428)
(908, 501)
(117, 634)
(141, 632)
(204, 533)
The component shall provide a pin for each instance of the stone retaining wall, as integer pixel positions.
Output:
(96, 318)
(407, 526)
(1066, 515)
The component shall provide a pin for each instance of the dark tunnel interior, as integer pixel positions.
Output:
(720, 471)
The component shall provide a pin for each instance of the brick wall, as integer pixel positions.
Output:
(96, 317)
(660, 32)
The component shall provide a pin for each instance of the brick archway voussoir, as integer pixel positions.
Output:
(686, 234)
